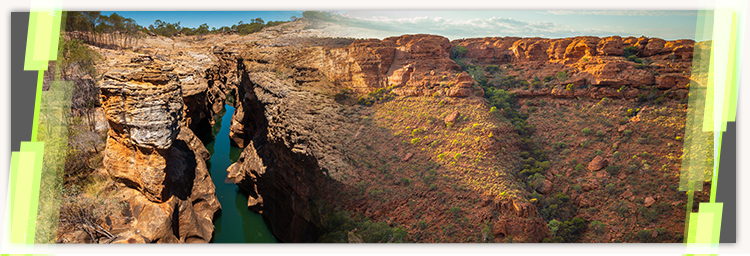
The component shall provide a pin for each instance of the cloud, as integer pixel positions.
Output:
(461, 28)
(628, 13)
(384, 25)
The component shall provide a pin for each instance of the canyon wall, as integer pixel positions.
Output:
(157, 162)
(594, 61)
(289, 124)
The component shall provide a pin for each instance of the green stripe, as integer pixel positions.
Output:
(729, 86)
(54, 123)
(29, 62)
(715, 178)
(38, 149)
(42, 39)
(688, 219)
(37, 105)
(54, 33)
(19, 224)
(14, 158)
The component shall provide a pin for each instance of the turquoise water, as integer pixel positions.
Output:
(234, 209)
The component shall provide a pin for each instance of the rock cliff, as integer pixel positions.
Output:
(595, 66)
(157, 162)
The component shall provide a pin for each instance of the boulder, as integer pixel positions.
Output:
(598, 163)
(545, 187)
(648, 201)
(452, 117)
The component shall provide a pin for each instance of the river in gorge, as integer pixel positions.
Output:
(235, 223)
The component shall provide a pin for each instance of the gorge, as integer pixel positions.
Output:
(413, 138)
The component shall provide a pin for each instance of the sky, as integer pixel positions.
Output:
(670, 25)
(193, 19)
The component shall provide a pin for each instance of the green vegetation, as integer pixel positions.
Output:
(597, 226)
(102, 30)
(107, 30)
(566, 231)
(377, 96)
(629, 51)
(342, 227)
(173, 29)
(458, 52)
(87, 211)
(562, 76)
(586, 131)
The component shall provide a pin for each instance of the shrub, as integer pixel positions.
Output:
(586, 131)
(487, 233)
(600, 133)
(417, 131)
(580, 167)
(457, 156)
(597, 226)
(86, 212)
(455, 211)
(577, 188)
(405, 181)
(629, 51)
(612, 169)
(491, 68)
(610, 188)
(627, 132)
(553, 226)
(441, 156)
(422, 224)
(493, 110)
(458, 52)
(644, 235)
(571, 229)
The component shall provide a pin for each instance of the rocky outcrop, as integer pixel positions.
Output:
(519, 220)
(157, 162)
(594, 66)
(290, 127)
(412, 65)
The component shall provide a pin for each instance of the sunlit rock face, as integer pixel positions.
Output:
(156, 161)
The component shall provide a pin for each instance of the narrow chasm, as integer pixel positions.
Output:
(253, 228)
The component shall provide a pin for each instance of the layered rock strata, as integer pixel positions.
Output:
(157, 162)
(596, 67)
(289, 134)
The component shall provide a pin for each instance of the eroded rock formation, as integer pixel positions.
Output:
(156, 160)
(595, 66)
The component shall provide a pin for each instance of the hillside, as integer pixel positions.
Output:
(413, 138)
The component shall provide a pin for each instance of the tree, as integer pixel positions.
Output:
(458, 52)
(630, 51)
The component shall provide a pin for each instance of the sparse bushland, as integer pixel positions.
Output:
(88, 209)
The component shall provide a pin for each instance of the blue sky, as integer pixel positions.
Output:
(668, 25)
(193, 19)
